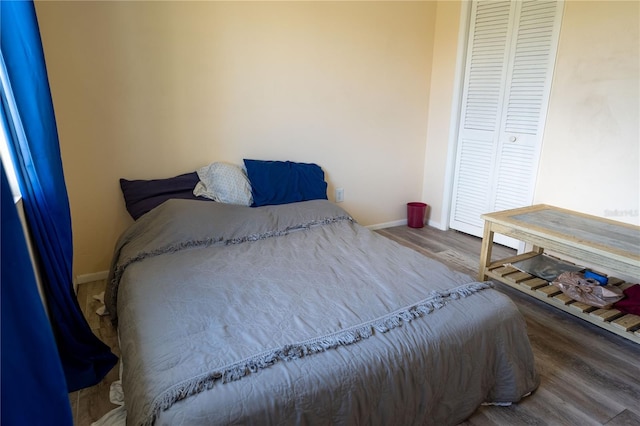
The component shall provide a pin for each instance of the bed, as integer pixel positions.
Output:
(296, 314)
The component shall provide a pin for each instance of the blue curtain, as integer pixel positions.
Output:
(33, 143)
(33, 390)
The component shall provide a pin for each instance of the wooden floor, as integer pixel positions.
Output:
(90, 404)
(589, 376)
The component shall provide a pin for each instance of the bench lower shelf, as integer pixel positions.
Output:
(625, 325)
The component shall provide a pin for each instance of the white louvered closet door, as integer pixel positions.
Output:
(510, 58)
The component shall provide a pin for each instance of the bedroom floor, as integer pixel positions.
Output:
(589, 376)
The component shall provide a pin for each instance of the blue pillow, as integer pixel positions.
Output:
(282, 182)
(140, 196)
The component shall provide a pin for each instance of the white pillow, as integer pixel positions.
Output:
(225, 183)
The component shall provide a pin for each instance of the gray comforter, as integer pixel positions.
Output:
(295, 314)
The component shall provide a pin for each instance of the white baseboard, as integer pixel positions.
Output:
(387, 224)
(436, 225)
(430, 223)
(94, 276)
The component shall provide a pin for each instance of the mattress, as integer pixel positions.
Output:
(296, 314)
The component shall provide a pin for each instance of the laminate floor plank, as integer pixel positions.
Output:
(626, 418)
(419, 239)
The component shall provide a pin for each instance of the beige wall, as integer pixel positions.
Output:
(365, 89)
(590, 157)
(442, 100)
(152, 89)
(591, 149)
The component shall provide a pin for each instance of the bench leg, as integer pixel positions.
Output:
(485, 253)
